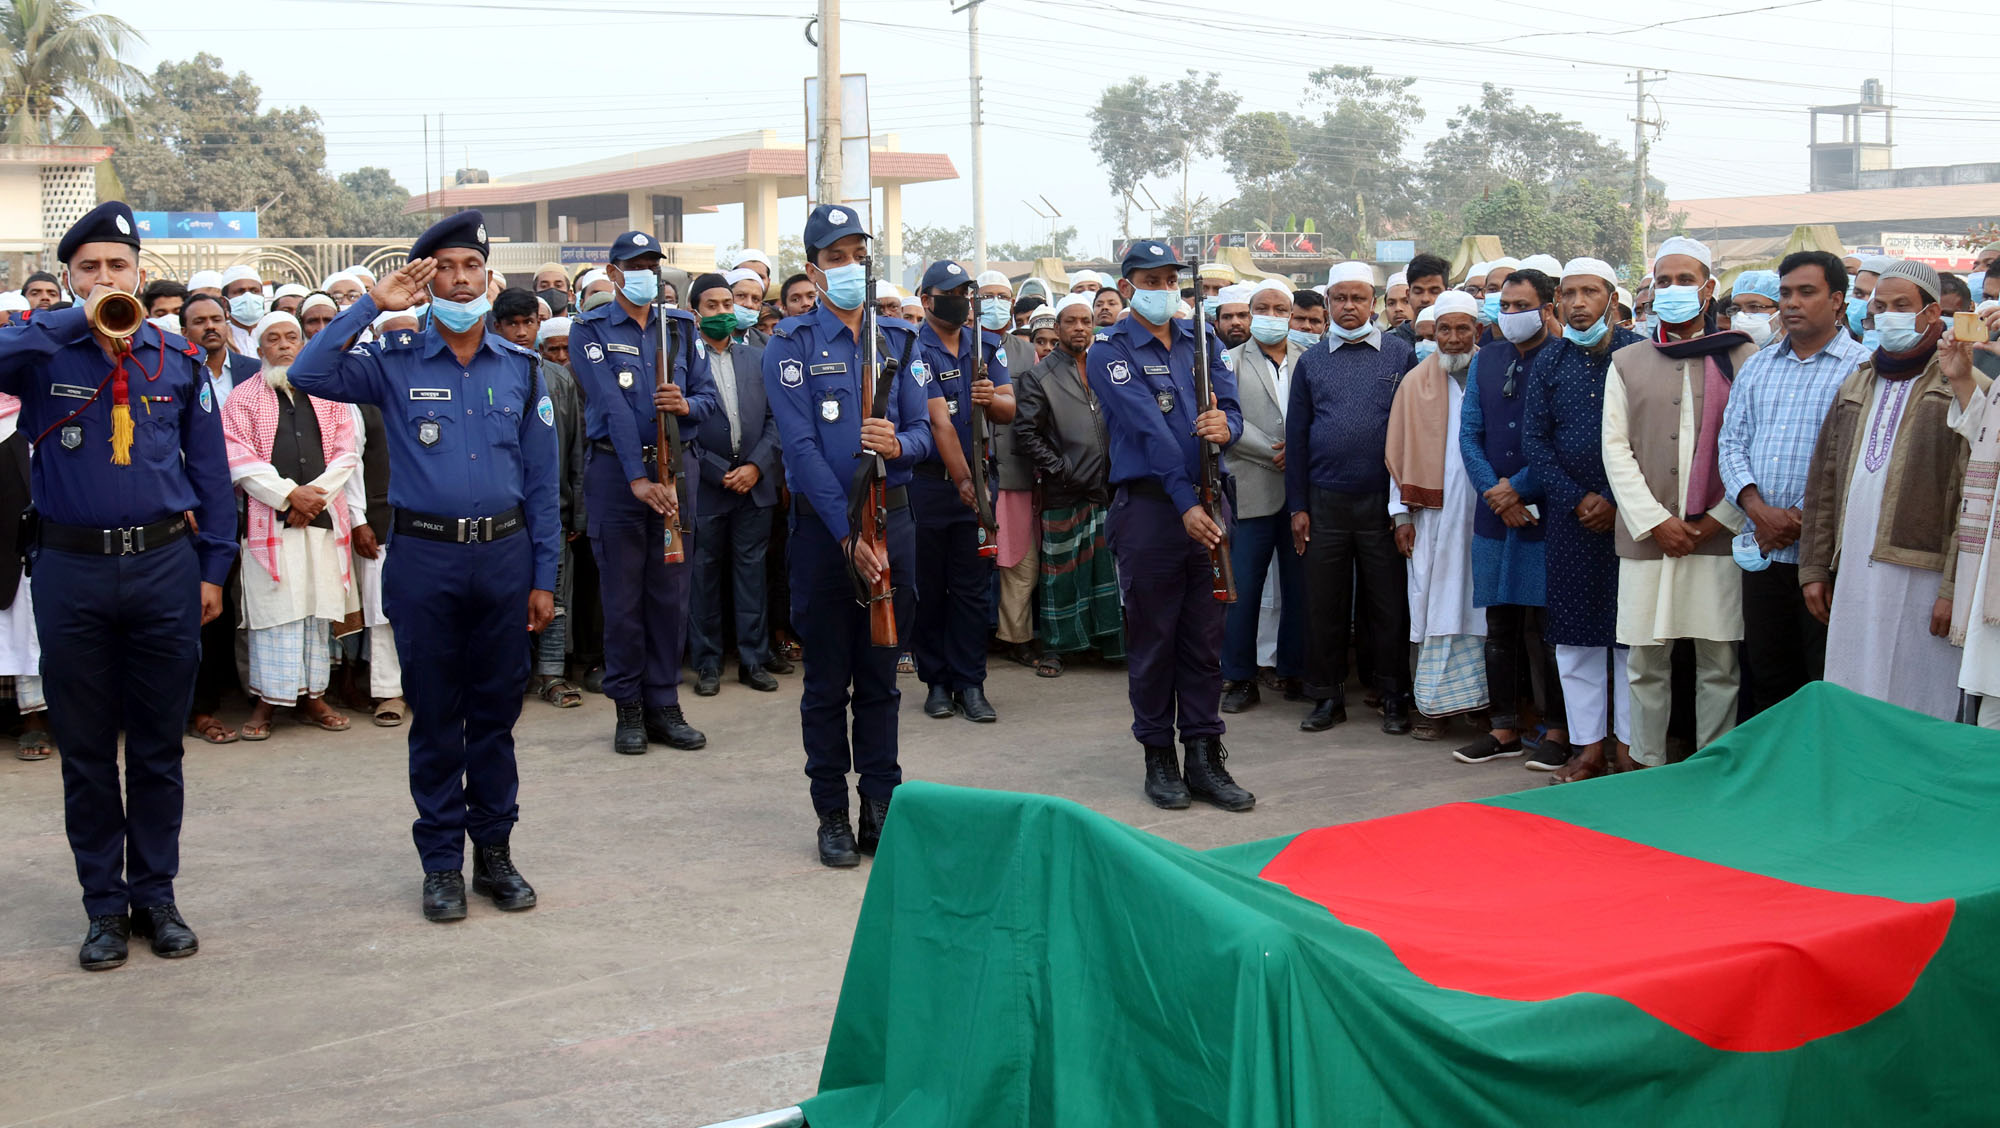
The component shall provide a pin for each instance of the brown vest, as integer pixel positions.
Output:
(1653, 386)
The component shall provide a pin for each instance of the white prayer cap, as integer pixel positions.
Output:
(1350, 271)
(740, 274)
(993, 278)
(1455, 301)
(1184, 311)
(1216, 270)
(883, 289)
(1692, 248)
(1236, 293)
(1624, 297)
(553, 327)
(11, 301)
(1071, 301)
(205, 280)
(591, 278)
(291, 290)
(1284, 288)
(749, 254)
(1081, 277)
(241, 273)
(1876, 264)
(1428, 313)
(1595, 268)
(1547, 264)
(914, 302)
(366, 275)
(387, 316)
(340, 275)
(496, 276)
(274, 318)
(543, 306)
(315, 300)
(1400, 278)
(1478, 270)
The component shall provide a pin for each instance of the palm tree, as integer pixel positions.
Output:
(63, 62)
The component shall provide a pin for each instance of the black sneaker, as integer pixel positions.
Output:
(1551, 755)
(1486, 749)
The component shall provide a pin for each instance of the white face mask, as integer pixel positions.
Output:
(1757, 325)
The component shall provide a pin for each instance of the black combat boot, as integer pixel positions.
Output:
(1163, 778)
(874, 812)
(1208, 780)
(629, 739)
(494, 875)
(666, 724)
(836, 840)
(444, 895)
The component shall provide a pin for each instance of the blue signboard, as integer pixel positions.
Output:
(196, 225)
(1395, 250)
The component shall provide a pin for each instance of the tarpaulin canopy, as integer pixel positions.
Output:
(1796, 926)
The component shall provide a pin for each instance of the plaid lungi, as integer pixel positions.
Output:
(290, 659)
(1451, 675)
(1078, 596)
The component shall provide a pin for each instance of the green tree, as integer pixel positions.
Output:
(1577, 219)
(1061, 244)
(63, 65)
(1140, 129)
(1499, 140)
(1258, 149)
(371, 205)
(923, 245)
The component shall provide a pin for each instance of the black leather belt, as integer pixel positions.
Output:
(1147, 488)
(646, 453)
(899, 498)
(115, 542)
(459, 530)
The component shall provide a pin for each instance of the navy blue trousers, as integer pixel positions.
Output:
(460, 613)
(1173, 622)
(645, 599)
(954, 589)
(843, 667)
(1251, 545)
(121, 642)
(730, 542)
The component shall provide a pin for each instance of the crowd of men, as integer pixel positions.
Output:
(1512, 498)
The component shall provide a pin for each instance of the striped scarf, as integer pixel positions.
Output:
(249, 426)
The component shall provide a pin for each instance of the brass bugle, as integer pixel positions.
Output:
(114, 313)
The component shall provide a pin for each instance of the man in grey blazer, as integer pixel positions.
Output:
(1263, 389)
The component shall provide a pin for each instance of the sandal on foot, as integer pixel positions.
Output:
(253, 731)
(214, 732)
(33, 746)
(327, 720)
(390, 712)
(1049, 665)
(560, 693)
(1021, 654)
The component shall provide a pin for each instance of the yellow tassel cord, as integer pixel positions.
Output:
(121, 434)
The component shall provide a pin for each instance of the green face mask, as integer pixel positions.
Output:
(718, 326)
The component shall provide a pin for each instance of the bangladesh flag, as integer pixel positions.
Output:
(1798, 926)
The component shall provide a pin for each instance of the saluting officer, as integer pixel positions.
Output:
(127, 446)
(1142, 369)
(954, 582)
(819, 398)
(472, 458)
(615, 350)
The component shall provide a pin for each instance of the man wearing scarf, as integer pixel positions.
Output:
(290, 454)
(1432, 502)
(1886, 476)
(1663, 405)
(1975, 622)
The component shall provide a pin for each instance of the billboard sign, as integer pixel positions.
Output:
(1944, 252)
(196, 225)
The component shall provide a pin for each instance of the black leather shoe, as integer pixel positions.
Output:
(778, 664)
(162, 924)
(1395, 713)
(494, 875)
(1164, 785)
(1292, 688)
(707, 683)
(874, 812)
(444, 895)
(757, 679)
(1326, 713)
(937, 703)
(1239, 695)
(836, 840)
(971, 702)
(104, 945)
(1209, 781)
(666, 725)
(629, 738)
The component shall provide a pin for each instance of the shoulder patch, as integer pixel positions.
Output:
(920, 372)
(206, 398)
(1120, 372)
(1104, 336)
(594, 351)
(546, 412)
(791, 373)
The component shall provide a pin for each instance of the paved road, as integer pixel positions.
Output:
(683, 964)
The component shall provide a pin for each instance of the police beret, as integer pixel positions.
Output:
(943, 275)
(108, 222)
(466, 229)
(632, 244)
(1145, 255)
(703, 284)
(830, 223)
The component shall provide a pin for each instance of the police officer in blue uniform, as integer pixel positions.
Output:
(1142, 369)
(137, 531)
(472, 457)
(615, 352)
(954, 582)
(819, 398)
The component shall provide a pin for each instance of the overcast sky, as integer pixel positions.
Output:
(529, 85)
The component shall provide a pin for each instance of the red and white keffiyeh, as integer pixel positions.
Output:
(249, 426)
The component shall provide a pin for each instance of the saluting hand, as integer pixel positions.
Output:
(669, 399)
(407, 286)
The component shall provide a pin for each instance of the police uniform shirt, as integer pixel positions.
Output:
(952, 375)
(62, 378)
(464, 440)
(616, 365)
(1149, 407)
(818, 394)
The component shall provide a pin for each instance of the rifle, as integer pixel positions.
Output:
(667, 437)
(1210, 486)
(868, 503)
(982, 502)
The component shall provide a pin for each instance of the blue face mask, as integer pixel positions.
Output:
(1857, 312)
(247, 307)
(994, 313)
(1489, 308)
(745, 318)
(1425, 349)
(1354, 334)
(1898, 331)
(1269, 330)
(1677, 305)
(641, 287)
(1211, 306)
(1155, 306)
(846, 286)
(1748, 556)
(460, 316)
(1302, 339)
(1588, 338)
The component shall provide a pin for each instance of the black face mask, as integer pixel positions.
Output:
(952, 309)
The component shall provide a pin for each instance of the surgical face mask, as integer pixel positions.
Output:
(460, 316)
(745, 318)
(1898, 331)
(717, 326)
(952, 309)
(846, 286)
(1211, 306)
(1748, 556)
(246, 308)
(1155, 306)
(640, 287)
(1269, 330)
(1489, 308)
(1354, 334)
(1588, 338)
(1426, 349)
(1857, 311)
(1757, 325)
(1302, 339)
(168, 322)
(1521, 326)
(995, 313)
(1677, 305)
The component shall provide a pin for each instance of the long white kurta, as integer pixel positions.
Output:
(20, 649)
(1693, 596)
(1878, 638)
(308, 560)
(367, 573)
(1440, 569)
(1979, 665)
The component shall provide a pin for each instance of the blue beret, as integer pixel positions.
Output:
(632, 244)
(1145, 255)
(944, 275)
(108, 222)
(1763, 283)
(830, 223)
(466, 229)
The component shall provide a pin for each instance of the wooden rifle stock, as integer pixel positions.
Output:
(1209, 488)
(982, 432)
(873, 528)
(667, 435)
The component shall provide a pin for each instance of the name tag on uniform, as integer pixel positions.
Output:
(948, 374)
(1158, 370)
(829, 369)
(73, 391)
(633, 349)
(422, 394)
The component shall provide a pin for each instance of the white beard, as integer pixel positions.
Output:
(279, 377)
(1455, 363)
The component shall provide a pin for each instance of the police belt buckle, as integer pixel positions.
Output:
(473, 530)
(124, 542)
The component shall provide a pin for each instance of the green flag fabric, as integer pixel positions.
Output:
(1798, 926)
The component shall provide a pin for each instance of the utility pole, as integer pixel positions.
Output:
(971, 10)
(828, 189)
(1640, 123)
